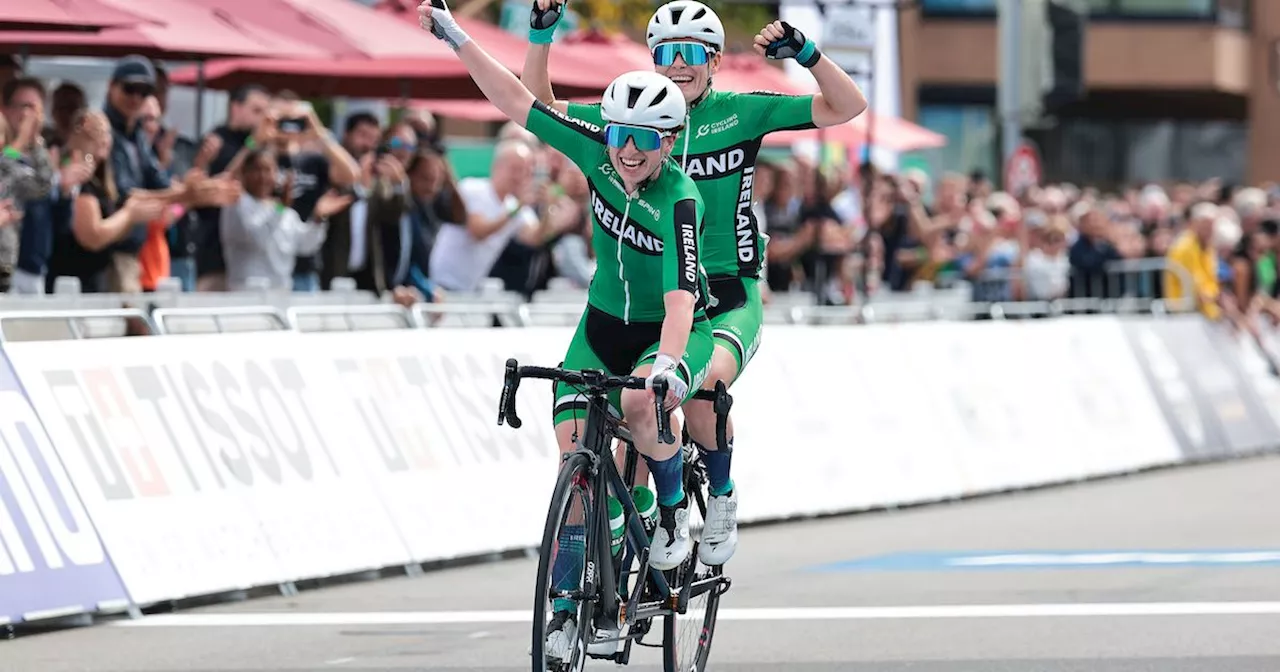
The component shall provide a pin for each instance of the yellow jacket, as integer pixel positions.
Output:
(1202, 264)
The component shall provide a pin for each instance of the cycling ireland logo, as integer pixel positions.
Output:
(718, 127)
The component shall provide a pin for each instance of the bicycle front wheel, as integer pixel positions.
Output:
(559, 603)
(686, 642)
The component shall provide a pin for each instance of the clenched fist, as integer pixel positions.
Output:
(434, 17)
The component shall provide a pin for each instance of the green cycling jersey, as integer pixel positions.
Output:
(718, 149)
(646, 244)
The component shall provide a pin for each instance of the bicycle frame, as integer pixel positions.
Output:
(595, 443)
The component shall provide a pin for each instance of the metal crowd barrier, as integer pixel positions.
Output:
(1130, 286)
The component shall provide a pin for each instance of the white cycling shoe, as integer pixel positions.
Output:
(720, 531)
(562, 637)
(671, 541)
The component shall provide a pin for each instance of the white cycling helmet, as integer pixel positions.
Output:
(685, 20)
(643, 98)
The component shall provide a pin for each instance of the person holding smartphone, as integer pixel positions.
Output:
(311, 163)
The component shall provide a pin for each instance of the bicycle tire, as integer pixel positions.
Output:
(674, 658)
(572, 467)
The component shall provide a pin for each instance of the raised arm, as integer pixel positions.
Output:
(544, 18)
(839, 98)
(497, 83)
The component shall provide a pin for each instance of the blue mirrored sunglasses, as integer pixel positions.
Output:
(692, 53)
(646, 139)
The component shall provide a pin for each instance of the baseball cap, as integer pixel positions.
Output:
(134, 69)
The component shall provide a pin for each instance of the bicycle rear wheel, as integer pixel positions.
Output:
(561, 579)
(686, 642)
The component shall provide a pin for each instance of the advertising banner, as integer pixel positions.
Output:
(453, 481)
(216, 462)
(1198, 372)
(210, 463)
(51, 559)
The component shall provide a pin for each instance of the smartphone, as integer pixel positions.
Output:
(293, 124)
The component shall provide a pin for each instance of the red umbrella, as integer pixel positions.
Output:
(441, 76)
(892, 133)
(567, 61)
(343, 28)
(604, 55)
(744, 73)
(69, 15)
(474, 110)
(429, 70)
(176, 29)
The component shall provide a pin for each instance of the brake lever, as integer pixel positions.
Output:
(507, 403)
(660, 406)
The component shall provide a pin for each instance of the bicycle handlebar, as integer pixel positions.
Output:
(601, 381)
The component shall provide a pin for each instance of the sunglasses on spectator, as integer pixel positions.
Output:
(137, 89)
(645, 139)
(692, 53)
(398, 143)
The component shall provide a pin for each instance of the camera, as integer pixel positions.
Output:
(293, 124)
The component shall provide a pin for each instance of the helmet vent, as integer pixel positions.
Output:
(662, 95)
(701, 13)
(633, 96)
(675, 14)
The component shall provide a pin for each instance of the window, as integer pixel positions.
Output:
(958, 7)
(1114, 152)
(973, 140)
(1230, 12)
(1172, 8)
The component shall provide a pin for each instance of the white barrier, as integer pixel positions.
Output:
(211, 463)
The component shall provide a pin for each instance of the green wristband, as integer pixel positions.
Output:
(249, 142)
(543, 35)
(12, 153)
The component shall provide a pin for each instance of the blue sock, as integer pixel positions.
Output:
(567, 567)
(718, 469)
(668, 478)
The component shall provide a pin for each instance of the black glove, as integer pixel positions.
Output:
(793, 45)
(543, 22)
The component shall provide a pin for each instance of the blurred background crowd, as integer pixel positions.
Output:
(111, 194)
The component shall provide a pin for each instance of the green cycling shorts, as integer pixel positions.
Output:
(737, 321)
(606, 342)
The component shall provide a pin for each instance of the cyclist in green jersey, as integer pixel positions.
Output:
(718, 148)
(646, 309)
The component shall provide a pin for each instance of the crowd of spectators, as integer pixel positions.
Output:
(1043, 244)
(271, 199)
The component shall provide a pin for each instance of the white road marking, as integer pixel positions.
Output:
(339, 661)
(260, 619)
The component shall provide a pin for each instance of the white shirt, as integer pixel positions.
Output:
(261, 239)
(459, 262)
(359, 221)
(1046, 277)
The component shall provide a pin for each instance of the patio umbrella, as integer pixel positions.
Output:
(68, 15)
(174, 29)
(893, 133)
(570, 66)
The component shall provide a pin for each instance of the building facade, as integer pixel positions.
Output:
(1175, 90)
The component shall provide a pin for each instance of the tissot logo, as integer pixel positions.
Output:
(625, 231)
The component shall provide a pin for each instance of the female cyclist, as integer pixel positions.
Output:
(718, 147)
(646, 308)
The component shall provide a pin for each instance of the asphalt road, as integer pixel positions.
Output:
(801, 603)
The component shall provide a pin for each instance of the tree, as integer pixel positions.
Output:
(741, 20)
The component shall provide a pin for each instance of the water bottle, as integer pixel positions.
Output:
(646, 505)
